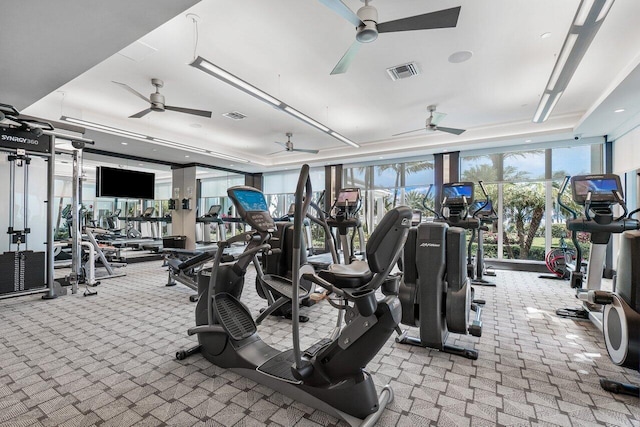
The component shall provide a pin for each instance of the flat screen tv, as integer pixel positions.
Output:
(113, 182)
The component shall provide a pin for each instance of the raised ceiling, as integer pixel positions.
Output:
(287, 48)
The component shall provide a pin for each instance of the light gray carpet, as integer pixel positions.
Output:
(109, 360)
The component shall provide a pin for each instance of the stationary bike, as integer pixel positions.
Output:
(330, 375)
(435, 292)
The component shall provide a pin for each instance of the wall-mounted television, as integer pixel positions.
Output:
(123, 183)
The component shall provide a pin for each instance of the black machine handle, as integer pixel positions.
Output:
(563, 187)
(486, 199)
(574, 237)
(424, 203)
(302, 202)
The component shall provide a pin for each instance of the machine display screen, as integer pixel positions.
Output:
(348, 195)
(251, 200)
(600, 186)
(478, 204)
(458, 191)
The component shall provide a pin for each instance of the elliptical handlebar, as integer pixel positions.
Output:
(424, 203)
(302, 202)
(486, 200)
(563, 187)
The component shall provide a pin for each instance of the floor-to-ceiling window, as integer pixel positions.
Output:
(523, 184)
(385, 186)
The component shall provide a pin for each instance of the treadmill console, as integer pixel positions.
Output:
(148, 212)
(458, 193)
(252, 207)
(601, 187)
(214, 210)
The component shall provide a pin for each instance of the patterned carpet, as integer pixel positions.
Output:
(109, 360)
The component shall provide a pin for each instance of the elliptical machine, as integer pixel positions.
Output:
(330, 375)
(436, 293)
(458, 197)
(597, 194)
(483, 210)
(616, 313)
(345, 217)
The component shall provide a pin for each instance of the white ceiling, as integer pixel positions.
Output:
(288, 47)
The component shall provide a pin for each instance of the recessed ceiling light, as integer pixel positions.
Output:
(154, 150)
(527, 140)
(381, 157)
(140, 164)
(545, 35)
(186, 155)
(230, 165)
(124, 143)
(619, 110)
(195, 125)
(461, 56)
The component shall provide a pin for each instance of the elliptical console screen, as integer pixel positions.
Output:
(251, 200)
(252, 207)
(454, 192)
(348, 195)
(487, 210)
(600, 186)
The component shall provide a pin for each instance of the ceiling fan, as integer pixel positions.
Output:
(432, 123)
(157, 101)
(368, 28)
(288, 146)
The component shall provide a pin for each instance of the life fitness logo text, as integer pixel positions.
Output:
(20, 140)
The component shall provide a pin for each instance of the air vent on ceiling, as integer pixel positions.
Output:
(403, 71)
(235, 115)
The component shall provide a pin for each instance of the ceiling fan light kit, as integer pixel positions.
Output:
(213, 70)
(585, 26)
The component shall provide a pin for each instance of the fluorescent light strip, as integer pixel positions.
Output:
(583, 12)
(201, 150)
(343, 139)
(541, 106)
(582, 37)
(225, 76)
(567, 48)
(605, 10)
(102, 127)
(229, 78)
(307, 119)
(119, 132)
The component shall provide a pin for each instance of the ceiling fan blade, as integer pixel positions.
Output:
(132, 90)
(188, 111)
(441, 19)
(141, 114)
(280, 143)
(437, 117)
(342, 65)
(409, 131)
(276, 152)
(341, 9)
(450, 130)
(302, 150)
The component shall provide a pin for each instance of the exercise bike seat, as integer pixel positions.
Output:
(351, 275)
